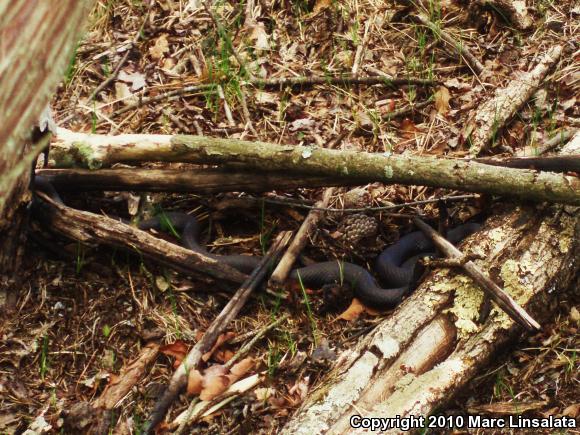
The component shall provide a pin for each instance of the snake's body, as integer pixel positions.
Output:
(394, 265)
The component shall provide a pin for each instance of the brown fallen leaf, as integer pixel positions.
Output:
(442, 98)
(223, 338)
(408, 128)
(222, 356)
(215, 381)
(353, 312)
(242, 367)
(572, 411)
(177, 349)
(194, 382)
(161, 46)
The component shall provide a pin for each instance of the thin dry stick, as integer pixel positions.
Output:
(227, 110)
(289, 258)
(551, 163)
(241, 352)
(117, 69)
(559, 139)
(220, 323)
(246, 347)
(501, 298)
(345, 80)
(366, 209)
(464, 52)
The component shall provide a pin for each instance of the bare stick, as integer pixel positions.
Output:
(89, 227)
(552, 163)
(289, 258)
(115, 72)
(220, 323)
(493, 115)
(501, 298)
(463, 51)
(198, 180)
(282, 82)
(559, 139)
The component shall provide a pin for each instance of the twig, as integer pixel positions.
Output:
(551, 163)
(559, 139)
(220, 323)
(282, 82)
(246, 347)
(300, 239)
(366, 209)
(463, 51)
(501, 298)
(117, 69)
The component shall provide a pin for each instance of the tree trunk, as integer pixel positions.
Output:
(36, 39)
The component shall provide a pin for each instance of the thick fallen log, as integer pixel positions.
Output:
(199, 180)
(498, 110)
(95, 151)
(431, 346)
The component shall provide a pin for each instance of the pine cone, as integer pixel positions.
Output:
(357, 227)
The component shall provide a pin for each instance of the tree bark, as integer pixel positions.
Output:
(37, 40)
(432, 345)
(94, 151)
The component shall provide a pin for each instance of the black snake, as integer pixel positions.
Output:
(394, 265)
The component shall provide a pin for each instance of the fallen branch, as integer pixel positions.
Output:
(94, 151)
(88, 227)
(220, 323)
(282, 82)
(501, 298)
(300, 239)
(497, 111)
(130, 375)
(198, 180)
(551, 163)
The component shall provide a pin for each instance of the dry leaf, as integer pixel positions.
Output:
(223, 356)
(321, 5)
(442, 98)
(223, 338)
(409, 128)
(177, 349)
(160, 48)
(260, 37)
(355, 309)
(124, 94)
(243, 367)
(572, 411)
(215, 381)
(136, 79)
(263, 394)
(194, 382)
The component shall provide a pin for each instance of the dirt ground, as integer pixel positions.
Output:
(88, 317)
